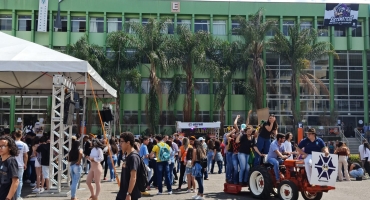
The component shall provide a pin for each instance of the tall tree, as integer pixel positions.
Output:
(151, 43)
(299, 50)
(253, 32)
(187, 50)
(121, 67)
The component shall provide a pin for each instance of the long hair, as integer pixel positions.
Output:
(113, 145)
(200, 150)
(97, 144)
(169, 143)
(189, 154)
(366, 145)
(185, 142)
(13, 149)
(74, 152)
(211, 144)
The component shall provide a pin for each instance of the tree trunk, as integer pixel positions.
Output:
(189, 88)
(118, 111)
(222, 118)
(293, 99)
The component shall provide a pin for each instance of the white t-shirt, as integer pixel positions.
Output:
(288, 148)
(22, 149)
(361, 151)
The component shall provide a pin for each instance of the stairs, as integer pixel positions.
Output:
(353, 144)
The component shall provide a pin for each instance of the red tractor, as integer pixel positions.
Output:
(262, 182)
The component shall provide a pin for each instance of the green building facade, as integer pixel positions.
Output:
(346, 77)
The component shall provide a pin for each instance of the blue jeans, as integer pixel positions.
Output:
(171, 166)
(357, 173)
(235, 167)
(200, 183)
(229, 167)
(244, 167)
(111, 168)
(75, 176)
(163, 167)
(20, 178)
(209, 161)
(275, 162)
(263, 146)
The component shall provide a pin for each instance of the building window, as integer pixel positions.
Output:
(357, 32)
(238, 86)
(130, 117)
(201, 25)
(184, 22)
(144, 21)
(5, 22)
(78, 24)
(201, 86)
(96, 24)
(145, 86)
(109, 53)
(37, 23)
(272, 32)
(128, 22)
(306, 25)
(219, 27)
(322, 31)
(169, 28)
(24, 23)
(286, 25)
(114, 24)
(339, 31)
(234, 26)
(129, 88)
(64, 23)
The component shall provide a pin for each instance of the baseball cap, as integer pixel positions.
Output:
(200, 139)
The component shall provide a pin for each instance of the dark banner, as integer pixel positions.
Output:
(341, 14)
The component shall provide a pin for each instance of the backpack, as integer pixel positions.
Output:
(142, 175)
(164, 153)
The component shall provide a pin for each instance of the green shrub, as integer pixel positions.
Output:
(354, 158)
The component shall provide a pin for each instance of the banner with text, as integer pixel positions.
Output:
(341, 14)
(43, 16)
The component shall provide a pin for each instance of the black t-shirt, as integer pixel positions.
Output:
(8, 170)
(132, 162)
(264, 133)
(44, 149)
(218, 149)
(178, 142)
(245, 144)
(87, 148)
(357, 166)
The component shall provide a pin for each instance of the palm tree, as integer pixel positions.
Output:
(121, 67)
(226, 61)
(187, 50)
(253, 32)
(299, 49)
(151, 43)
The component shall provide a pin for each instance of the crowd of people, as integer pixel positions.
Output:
(178, 163)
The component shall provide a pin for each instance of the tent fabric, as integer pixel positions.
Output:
(29, 66)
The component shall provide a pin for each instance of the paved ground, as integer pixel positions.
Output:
(213, 190)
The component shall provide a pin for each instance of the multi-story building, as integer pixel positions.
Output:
(346, 77)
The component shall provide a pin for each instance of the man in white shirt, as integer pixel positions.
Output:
(362, 153)
(288, 145)
(22, 159)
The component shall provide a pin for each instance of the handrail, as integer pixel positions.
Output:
(358, 135)
(344, 138)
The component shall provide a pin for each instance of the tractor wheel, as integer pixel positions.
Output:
(260, 183)
(287, 190)
(311, 195)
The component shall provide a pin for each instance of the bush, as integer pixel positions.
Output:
(354, 158)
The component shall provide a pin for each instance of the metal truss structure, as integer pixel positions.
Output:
(61, 134)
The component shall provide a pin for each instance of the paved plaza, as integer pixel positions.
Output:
(213, 190)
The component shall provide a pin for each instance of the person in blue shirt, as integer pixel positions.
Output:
(277, 154)
(311, 144)
(144, 153)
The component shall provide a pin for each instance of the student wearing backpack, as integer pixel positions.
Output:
(163, 154)
(131, 167)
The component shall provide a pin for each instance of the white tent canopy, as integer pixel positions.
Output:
(28, 68)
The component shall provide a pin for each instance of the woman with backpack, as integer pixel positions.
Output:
(113, 150)
(96, 156)
(171, 161)
(189, 165)
(199, 163)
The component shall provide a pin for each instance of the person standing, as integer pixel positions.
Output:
(96, 156)
(199, 154)
(343, 153)
(263, 142)
(162, 152)
(22, 159)
(144, 153)
(182, 155)
(87, 151)
(362, 152)
(44, 150)
(128, 190)
(74, 158)
(8, 168)
(112, 162)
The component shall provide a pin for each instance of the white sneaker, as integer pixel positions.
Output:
(194, 197)
(199, 197)
(169, 193)
(159, 193)
(19, 198)
(188, 191)
(41, 190)
(36, 190)
(33, 184)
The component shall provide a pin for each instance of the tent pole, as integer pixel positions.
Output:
(84, 109)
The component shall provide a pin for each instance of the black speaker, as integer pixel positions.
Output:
(106, 115)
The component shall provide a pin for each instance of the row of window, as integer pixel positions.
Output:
(78, 24)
